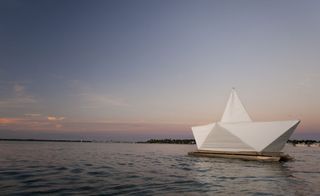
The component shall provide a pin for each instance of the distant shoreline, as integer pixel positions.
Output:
(151, 141)
(44, 140)
(309, 143)
(169, 141)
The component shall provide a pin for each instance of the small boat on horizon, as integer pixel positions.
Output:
(237, 136)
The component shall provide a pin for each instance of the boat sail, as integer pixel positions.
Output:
(236, 132)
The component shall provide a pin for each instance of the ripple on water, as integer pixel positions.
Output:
(99, 173)
(23, 176)
(32, 181)
(139, 169)
(61, 168)
(9, 173)
(76, 170)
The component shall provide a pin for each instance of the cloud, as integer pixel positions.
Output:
(32, 115)
(33, 123)
(58, 126)
(90, 98)
(93, 100)
(16, 102)
(19, 89)
(308, 80)
(55, 118)
(19, 97)
(5, 121)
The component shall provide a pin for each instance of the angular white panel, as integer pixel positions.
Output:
(221, 139)
(259, 134)
(234, 111)
(201, 132)
(279, 143)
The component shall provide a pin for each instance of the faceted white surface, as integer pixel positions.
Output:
(235, 111)
(260, 134)
(201, 132)
(222, 139)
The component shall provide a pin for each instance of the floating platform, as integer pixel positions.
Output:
(249, 156)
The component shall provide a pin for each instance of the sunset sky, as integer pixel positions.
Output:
(134, 70)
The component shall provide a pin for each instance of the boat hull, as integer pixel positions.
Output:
(248, 156)
(244, 136)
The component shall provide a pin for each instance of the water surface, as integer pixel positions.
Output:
(60, 168)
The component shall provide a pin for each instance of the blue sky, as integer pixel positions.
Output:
(133, 70)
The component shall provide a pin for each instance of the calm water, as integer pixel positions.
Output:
(148, 169)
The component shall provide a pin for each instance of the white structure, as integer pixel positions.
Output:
(237, 132)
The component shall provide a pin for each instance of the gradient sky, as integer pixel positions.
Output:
(134, 70)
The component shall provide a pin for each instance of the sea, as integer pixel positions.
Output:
(75, 168)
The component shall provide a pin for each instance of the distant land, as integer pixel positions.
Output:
(44, 140)
(170, 141)
(313, 143)
(192, 141)
(304, 142)
(151, 141)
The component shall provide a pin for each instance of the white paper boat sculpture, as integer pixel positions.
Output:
(237, 136)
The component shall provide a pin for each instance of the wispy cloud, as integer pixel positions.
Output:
(33, 122)
(16, 102)
(20, 97)
(308, 80)
(32, 115)
(19, 89)
(55, 118)
(58, 126)
(6, 121)
(93, 100)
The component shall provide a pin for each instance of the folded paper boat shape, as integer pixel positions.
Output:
(236, 132)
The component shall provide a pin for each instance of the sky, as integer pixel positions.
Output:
(135, 70)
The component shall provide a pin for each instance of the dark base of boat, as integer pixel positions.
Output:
(250, 156)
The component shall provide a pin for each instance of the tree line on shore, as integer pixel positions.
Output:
(158, 141)
(170, 141)
(305, 142)
(192, 141)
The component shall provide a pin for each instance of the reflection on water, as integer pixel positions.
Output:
(99, 168)
(248, 177)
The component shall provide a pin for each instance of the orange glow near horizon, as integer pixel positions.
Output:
(74, 125)
(8, 121)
